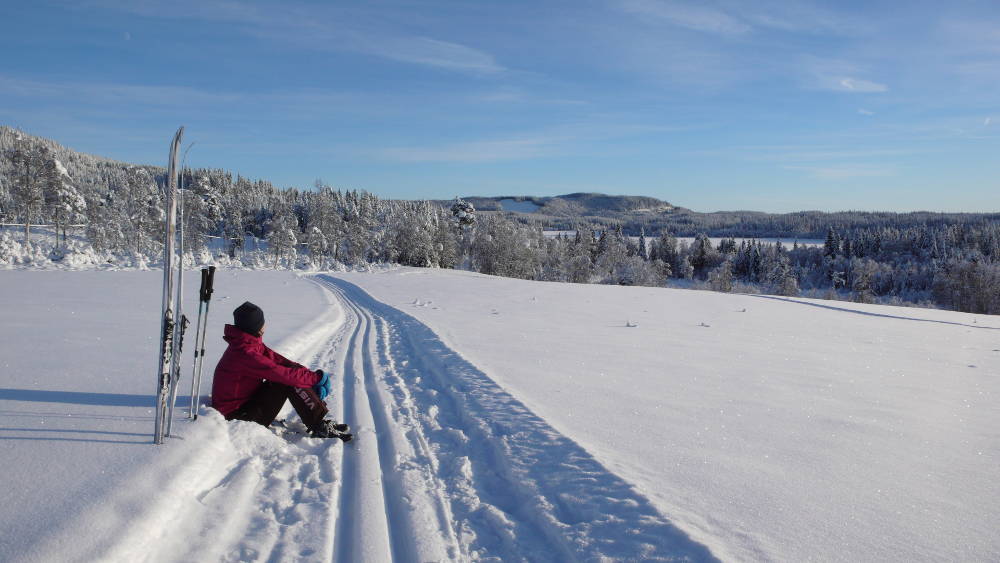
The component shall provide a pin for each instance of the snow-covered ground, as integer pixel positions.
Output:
(768, 428)
(78, 360)
(504, 419)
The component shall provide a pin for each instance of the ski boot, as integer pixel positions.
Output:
(331, 429)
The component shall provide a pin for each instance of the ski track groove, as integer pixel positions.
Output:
(401, 544)
(468, 472)
(498, 524)
(365, 533)
(427, 462)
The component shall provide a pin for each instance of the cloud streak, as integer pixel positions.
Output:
(727, 18)
(845, 171)
(110, 93)
(148, 96)
(322, 30)
(475, 151)
(553, 141)
(694, 17)
(432, 52)
(838, 76)
(848, 84)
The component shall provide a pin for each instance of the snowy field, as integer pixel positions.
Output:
(783, 430)
(505, 420)
(76, 401)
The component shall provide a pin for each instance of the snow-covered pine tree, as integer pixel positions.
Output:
(703, 255)
(832, 245)
(28, 163)
(665, 248)
(412, 241)
(139, 205)
(317, 245)
(613, 251)
(463, 213)
(721, 278)
(63, 203)
(445, 242)
(282, 239)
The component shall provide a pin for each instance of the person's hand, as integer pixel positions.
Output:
(322, 387)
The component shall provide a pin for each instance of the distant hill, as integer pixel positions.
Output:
(637, 214)
(567, 211)
(573, 205)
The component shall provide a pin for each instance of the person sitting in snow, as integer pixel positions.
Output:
(252, 381)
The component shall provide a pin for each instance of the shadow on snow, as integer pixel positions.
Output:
(84, 398)
(870, 314)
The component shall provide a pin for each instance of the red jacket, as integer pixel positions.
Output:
(246, 364)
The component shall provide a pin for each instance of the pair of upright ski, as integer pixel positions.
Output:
(171, 331)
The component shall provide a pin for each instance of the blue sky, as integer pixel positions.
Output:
(714, 105)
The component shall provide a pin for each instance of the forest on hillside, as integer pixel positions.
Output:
(116, 210)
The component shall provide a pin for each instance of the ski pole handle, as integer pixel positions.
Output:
(211, 282)
(204, 284)
(207, 279)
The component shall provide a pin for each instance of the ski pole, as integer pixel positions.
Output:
(208, 280)
(193, 413)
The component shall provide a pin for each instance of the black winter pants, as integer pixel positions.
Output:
(267, 400)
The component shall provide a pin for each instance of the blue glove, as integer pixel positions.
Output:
(322, 388)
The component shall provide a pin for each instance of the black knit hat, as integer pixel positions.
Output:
(248, 318)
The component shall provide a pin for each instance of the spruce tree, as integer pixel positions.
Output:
(832, 244)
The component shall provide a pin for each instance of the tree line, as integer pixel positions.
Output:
(119, 209)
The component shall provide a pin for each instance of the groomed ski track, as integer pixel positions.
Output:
(445, 466)
(448, 466)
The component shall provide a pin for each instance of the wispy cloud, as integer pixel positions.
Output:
(972, 37)
(737, 18)
(803, 154)
(839, 76)
(432, 52)
(849, 84)
(476, 151)
(148, 96)
(698, 17)
(864, 111)
(563, 139)
(328, 29)
(509, 95)
(740, 43)
(845, 171)
(800, 17)
(111, 93)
